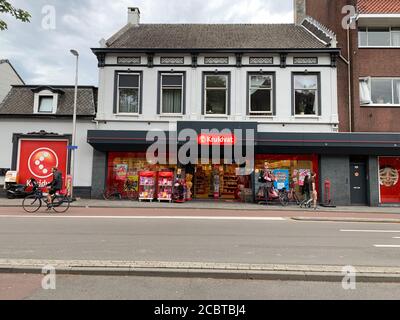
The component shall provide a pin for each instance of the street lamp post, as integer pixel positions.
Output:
(76, 54)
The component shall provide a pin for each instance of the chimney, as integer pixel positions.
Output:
(134, 16)
(299, 11)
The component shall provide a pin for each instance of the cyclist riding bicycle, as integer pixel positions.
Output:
(55, 186)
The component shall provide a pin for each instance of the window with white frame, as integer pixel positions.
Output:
(46, 104)
(172, 93)
(379, 37)
(260, 94)
(306, 94)
(380, 91)
(128, 100)
(216, 93)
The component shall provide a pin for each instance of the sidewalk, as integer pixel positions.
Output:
(203, 209)
(212, 205)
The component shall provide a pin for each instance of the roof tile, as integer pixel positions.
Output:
(378, 6)
(20, 101)
(214, 36)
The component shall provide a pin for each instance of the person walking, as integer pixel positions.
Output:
(306, 191)
(314, 192)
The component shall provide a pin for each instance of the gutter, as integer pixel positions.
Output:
(210, 50)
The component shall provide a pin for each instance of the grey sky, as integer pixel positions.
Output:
(42, 56)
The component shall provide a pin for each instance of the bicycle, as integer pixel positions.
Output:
(116, 192)
(33, 203)
(292, 196)
(281, 196)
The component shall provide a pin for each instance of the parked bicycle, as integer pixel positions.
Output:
(292, 196)
(33, 203)
(120, 192)
(274, 196)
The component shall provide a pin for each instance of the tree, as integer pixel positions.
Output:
(7, 8)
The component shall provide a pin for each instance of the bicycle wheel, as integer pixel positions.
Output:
(61, 205)
(283, 198)
(32, 204)
(111, 195)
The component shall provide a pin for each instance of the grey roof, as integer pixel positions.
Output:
(12, 67)
(20, 101)
(214, 36)
(319, 30)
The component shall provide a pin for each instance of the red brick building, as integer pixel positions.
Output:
(370, 59)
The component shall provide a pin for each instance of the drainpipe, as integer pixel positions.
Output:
(97, 124)
(349, 80)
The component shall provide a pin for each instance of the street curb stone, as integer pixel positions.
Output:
(202, 270)
(322, 219)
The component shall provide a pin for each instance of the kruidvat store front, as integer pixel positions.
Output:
(362, 169)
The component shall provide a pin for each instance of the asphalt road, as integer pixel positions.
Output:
(225, 241)
(18, 287)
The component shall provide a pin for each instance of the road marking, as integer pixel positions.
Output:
(396, 237)
(149, 217)
(386, 246)
(372, 231)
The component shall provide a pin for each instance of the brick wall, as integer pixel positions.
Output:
(328, 12)
(377, 63)
(365, 62)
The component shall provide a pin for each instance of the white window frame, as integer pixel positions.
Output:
(139, 93)
(391, 31)
(383, 105)
(172, 87)
(216, 89)
(45, 93)
(260, 113)
(317, 96)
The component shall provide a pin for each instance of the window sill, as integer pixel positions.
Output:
(380, 105)
(306, 117)
(378, 47)
(216, 116)
(127, 115)
(261, 116)
(171, 115)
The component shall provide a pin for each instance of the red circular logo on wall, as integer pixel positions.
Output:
(41, 161)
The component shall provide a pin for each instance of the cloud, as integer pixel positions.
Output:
(42, 56)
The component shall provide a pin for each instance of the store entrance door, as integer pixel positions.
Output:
(358, 183)
(218, 182)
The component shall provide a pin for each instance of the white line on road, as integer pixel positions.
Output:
(372, 231)
(386, 246)
(149, 217)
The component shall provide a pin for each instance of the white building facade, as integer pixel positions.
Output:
(278, 80)
(36, 121)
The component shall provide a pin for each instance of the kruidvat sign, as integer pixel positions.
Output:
(37, 157)
(192, 145)
(217, 139)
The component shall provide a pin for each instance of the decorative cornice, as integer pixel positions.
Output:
(283, 57)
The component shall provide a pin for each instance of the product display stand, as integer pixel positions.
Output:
(147, 186)
(165, 186)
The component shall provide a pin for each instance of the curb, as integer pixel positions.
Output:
(272, 208)
(367, 220)
(208, 271)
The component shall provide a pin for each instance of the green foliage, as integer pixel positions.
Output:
(7, 8)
